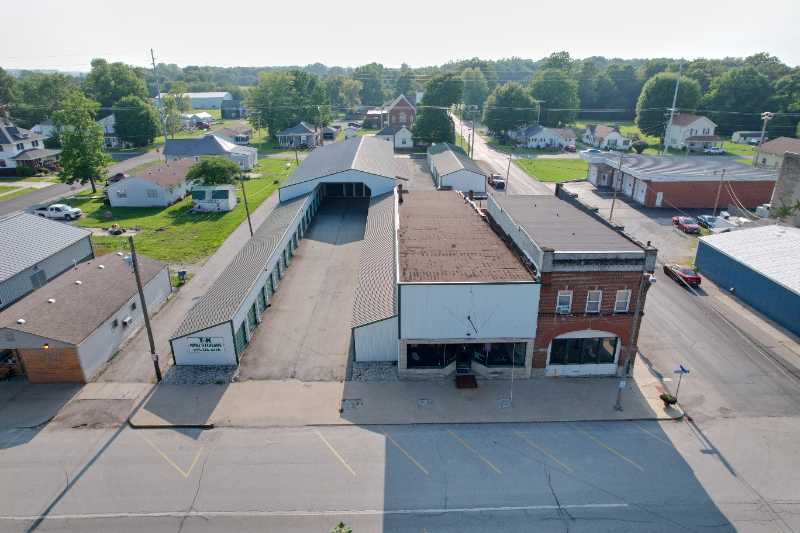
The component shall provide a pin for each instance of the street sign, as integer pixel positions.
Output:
(154, 356)
(682, 370)
(622, 384)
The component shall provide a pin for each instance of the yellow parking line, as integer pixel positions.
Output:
(600, 443)
(668, 444)
(473, 451)
(402, 450)
(334, 453)
(184, 474)
(15, 438)
(541, 450)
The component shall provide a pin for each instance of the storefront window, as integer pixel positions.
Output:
(500, 353)
(597, 350)
(430, 355)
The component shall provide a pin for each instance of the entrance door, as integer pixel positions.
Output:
(38, 279)
(464, 357)
(659, 197)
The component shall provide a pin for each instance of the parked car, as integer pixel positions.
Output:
(592, 151)
(754, 142)
(570, 149)
(716, 150)
(498, 135)
(203, 126)
(682, 273)
(707, 221)
(686, 224)
(59, 211)
(354, 124)
(496, 181)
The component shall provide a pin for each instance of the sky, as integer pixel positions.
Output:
(353, 33)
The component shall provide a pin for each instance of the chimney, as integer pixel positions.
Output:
(399, 193)
(470, 195)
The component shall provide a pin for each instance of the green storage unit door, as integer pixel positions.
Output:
(289, 252)
(251, 318)
(283, 262)
(270, 287)
(241, 340)
(276, 275)
(262, 301)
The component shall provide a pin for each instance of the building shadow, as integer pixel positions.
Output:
(178, 406)
(27, 405)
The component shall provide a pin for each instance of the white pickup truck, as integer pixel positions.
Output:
(59, 211)
(715, 151)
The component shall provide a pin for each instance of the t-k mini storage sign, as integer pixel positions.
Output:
(205, 344)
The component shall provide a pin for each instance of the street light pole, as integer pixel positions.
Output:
(472, 148)
(244, 195)
(626, 366)
(766, 116)
(153, 353)
(508, 172)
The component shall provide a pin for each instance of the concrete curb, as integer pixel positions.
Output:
(169, 426)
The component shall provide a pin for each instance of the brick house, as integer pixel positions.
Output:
(400, 112)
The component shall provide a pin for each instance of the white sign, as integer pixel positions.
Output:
(206, 344)
(622, 384)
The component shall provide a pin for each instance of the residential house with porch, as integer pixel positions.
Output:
(23, 148)
(538, 136)
(694, 130)
(605, 137)
(110, 139)
(301, 134)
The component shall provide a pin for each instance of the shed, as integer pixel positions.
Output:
(743, 137)
(452, 167)
(207, 198)
(158, 186)
(350, 132)
(758, 266)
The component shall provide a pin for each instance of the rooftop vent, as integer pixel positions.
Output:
(21, 321)
(51, 301)
(101, 267)
(120, 254)
(79, 282)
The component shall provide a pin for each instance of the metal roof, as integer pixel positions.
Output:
(449, 158)
(367, 154)
(206, 145)
(27, 239)
(681, 168)
(225, 296)
(80, 309)
(376, 293)
(772, 251)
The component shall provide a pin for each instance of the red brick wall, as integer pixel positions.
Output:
(54, 365)
(394, 115)
(703, 193)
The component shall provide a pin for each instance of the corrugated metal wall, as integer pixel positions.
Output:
(774, 300)
(464, 181)
(377, 341)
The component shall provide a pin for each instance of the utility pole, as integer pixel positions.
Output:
(462, 123)
(161, 112)
(259, 131)
(472, 149)
(766, 116)
(508, 172)
(672, 109)
(626, 366)
(153, 354)
(247, 208)
(719, 189)
(615, 188)
(297, 160)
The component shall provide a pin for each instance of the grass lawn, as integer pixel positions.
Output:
(555, 169)
(17, 193)
(172, 234)
(461, 142)
(507, 148)
(176, 283)
(6, 188)
(21, 179)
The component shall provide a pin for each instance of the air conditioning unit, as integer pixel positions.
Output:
(127, 322)
(562, 309)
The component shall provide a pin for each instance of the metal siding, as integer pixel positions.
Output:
(377, 184)
(441, 311)
(182, 356)
(377, 341)
(774, 300)
(464, 181)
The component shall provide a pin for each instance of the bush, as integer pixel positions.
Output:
(25, 172)
(668, 399)
(503, 141)
(640, 146)
(367, 124)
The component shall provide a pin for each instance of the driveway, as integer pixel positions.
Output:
(414, 174)
(305, 333)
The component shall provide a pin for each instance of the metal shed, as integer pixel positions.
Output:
(759, 266)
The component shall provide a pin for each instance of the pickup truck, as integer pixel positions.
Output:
(715, 151)
(59, 211)
(496, 181)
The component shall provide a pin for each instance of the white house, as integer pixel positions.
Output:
(235, 133)
(110, 139)
(400, 136)
(451, 167)
(161, 185)
(190, 120)
(45, 128)
(695, 130)
(210, 100)
(23, 148)
(537, 136)
(350, 132)
(605, 137)
(210, 145)
(300, 134)
(771, 153)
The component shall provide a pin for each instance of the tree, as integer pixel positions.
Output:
(173, 119)
(178, 92)
(286, 98)
(43, 94)
(433, 123)
(640, 146)
(509, 107)
(136, 121)
(558, 91)
(406, 82)
(587, 84)
(652, 67)
(82, 155)
(628, 88)
(108, 83)
(476, 90)
(9, 87)
(742, 90)
(656, 99)
(350, 91)
(371, 76)
(486, 67)
(217, 170)
(558, 61)
(768, 65)
(786, 102)
(333, 89)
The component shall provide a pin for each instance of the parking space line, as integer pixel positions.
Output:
(12, 440)
(600, 443)
(402, 450)
(668, 444)
(538, 448)
(184, 474)
(334, 453)
(473, 451)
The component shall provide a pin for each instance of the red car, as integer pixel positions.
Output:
(682, 273)
(496, 181)
(570, 149)
(203, 126)
(686, 224)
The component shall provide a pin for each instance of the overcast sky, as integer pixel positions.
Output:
(68, 34)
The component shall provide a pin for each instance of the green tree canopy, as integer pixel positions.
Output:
(743, 90)
(652, 67)
(559, 61)
(217, 170)
(42, 95)
(508, 108)
(786, 102)
(371, 76)
(136, 121)
(351, 89)
(286, 98)
(433, 124)
(82, 156)
(406, 82)
(476, 89)
(108, 83)
(333, 89)
(656, 99)
(557, 90)
(9, 87)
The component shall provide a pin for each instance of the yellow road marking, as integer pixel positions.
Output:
(12, 440)
(600, 443)
(184, 474)
(668, 444)
(334, 453)
(402, 450)
(541, 450)
(473, 451)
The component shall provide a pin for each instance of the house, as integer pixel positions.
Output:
(400, 112)
(375, 118)
(537, 136)
(23, 148)
(235, 133)
(451, 167)
(45, 128)
(110, 139)
(191, 120)
(207, 198)
(300, 134)
(770, 155)
(400, 136)
(744, 137)
(329, 133)
(67, 330)
(694, 130)
(210, 145)
(605, 137)
(232, 109)
(209, 100)
(681, 182)
(350, 132)
(158, 186)
(35, 250)
(787, 189)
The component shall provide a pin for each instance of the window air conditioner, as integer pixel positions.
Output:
(563, 309)
(127, 322)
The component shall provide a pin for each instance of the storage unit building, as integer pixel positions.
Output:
(451, 167)
(66, 331)
(34, 250)
(207, 100)
(158, 186)
(759, 266)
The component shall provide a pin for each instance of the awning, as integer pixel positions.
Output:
(30, 155)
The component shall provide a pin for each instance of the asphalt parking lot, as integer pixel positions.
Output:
(414, 174)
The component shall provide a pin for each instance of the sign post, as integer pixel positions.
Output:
(682, 371)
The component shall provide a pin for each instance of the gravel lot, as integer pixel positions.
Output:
(200, 375)
(375, 371)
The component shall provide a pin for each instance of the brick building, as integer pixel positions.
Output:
(681, 181)
(400, 112)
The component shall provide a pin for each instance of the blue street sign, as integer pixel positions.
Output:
(682, 370)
